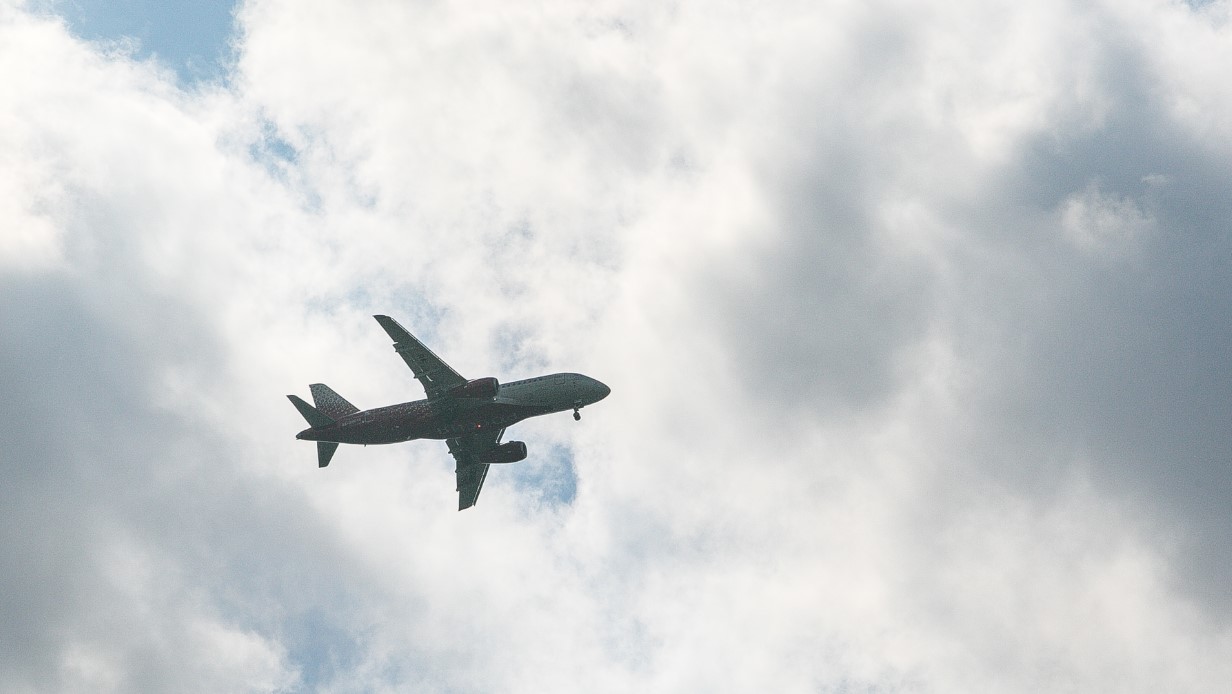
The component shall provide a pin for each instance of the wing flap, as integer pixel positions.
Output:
(433, 373)
(470, 482)
(471, 474)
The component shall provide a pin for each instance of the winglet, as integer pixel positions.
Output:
(396, 332)
(310, 413)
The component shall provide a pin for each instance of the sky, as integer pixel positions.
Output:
(917, 318)
(191, 38)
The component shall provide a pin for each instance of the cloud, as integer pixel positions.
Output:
(911, 315)
(190, 38)
(1099, 223)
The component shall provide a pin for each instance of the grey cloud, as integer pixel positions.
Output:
(127, 529)
(1121, 364)
(1110, 361)
(818, 314)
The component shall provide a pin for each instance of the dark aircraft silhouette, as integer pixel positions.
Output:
(470, 416)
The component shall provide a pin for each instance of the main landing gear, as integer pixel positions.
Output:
(577, 416)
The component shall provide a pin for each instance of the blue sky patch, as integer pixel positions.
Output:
(192, 38)
(548, 472)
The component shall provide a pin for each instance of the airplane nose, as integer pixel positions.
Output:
(601, 391)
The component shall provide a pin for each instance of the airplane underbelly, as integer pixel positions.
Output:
(493, 415)
(394, 430)
(385, 429)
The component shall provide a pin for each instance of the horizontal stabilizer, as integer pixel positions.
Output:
(315, 417)
(330, 403)
(325, 451)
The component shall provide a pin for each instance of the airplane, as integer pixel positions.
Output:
(470, 415)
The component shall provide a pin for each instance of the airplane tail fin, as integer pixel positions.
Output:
(320, 417)
(331, 404)
(315, 417)
(325, 451)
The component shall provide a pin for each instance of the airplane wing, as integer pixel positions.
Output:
(433, 373)
(470, 473)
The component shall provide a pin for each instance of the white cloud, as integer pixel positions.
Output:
(878, 421)
(1107, 224)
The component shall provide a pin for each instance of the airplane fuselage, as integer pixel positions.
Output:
(450, 417)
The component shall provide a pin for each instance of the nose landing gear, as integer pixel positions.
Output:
(577, 416)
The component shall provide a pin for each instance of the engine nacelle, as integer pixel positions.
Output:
(478, 389)
(510, 452)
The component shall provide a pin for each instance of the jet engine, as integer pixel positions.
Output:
(510, 452)
(478, 389)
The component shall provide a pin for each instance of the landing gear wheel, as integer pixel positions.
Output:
(577, 416)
